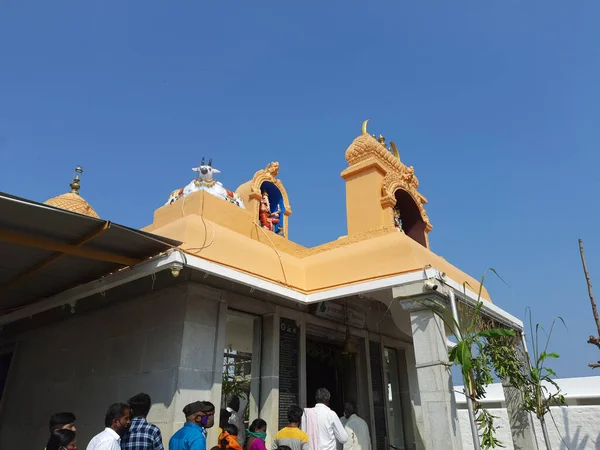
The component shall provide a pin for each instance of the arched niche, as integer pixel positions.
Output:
(413, 224)
(276, 201)
(266, 180)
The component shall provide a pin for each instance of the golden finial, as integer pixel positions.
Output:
(75, 183)
(364, 126)
(395, 150)
(381, 140)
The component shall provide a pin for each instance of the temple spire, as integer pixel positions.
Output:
(75, 186)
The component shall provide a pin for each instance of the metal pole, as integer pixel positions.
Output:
(470, 407)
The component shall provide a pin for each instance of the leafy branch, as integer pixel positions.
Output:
(531, 376)
(476, 366)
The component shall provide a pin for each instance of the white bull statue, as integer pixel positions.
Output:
(205, 182)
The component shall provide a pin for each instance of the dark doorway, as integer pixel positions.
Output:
(412, 222)
(327, 367)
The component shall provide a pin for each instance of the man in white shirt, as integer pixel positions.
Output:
(357, 429)
(233, 406)
(326, 427)
(117, 422)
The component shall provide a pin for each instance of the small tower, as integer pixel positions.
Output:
(381, 192)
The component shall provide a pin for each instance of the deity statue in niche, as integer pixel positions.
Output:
(397, 219)
(267, 218)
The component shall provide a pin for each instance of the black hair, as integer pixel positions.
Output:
(224, 417)
(283, 447)
(322, 396)
(232, 430)
(58, 420)
(233, 401)
(140, 405)
(258, 424)
(115, 412)
(294, 414)
(60, 438)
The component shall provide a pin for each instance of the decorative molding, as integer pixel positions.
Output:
(364, 151)
(269, 174)
(408, 182)
(366, 146)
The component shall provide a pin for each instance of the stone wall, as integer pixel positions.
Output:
(574, 427)
(162, 343)
(168, 343)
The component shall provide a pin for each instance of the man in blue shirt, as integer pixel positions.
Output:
(199, 416)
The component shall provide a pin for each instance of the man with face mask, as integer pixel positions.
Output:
(117, 422)
(199, 417)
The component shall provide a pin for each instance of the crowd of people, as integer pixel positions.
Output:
(126, 428)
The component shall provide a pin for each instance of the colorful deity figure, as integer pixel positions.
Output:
(267, 218)
(397, 219)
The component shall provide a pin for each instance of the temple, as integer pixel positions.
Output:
(213, 298)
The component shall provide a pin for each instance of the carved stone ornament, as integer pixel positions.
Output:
(268, 174)
(397, 176)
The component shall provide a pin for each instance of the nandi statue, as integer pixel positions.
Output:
(205, 182)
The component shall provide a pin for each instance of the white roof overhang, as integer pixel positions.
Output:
(400, 287)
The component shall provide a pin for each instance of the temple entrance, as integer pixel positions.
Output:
(327, 367)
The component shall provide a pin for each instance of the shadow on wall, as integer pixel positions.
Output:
(568, 439)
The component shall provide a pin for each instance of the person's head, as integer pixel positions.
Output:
(294, 415)
(224, 416)
(258, 425)
(200, 413)
(284, 447)
(118, 418)
(62, 439)
(232, 431)
(62, 421)
(233, 402)
(140, 405)
(349, 409)
(322, 396)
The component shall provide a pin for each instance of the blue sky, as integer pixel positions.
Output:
(495, 104)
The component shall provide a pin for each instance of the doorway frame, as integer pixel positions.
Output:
(255, 367)
(271, 313)
(333, 336)
(306, 321)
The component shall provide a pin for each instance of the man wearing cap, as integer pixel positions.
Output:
(198, 417)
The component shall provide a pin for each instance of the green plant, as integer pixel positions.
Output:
(537, 398)
(235, 387)
(531, 376)
(476, 367)
(472, 336)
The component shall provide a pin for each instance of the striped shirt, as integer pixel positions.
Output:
(293, 437)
